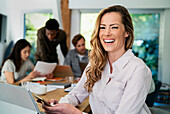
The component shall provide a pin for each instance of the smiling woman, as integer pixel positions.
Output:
(112, 34)
(146, 33)
(116, 81)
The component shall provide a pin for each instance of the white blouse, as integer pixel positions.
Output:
(124, 94)
(10, 67)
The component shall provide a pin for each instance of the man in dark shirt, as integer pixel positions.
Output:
(48, 39)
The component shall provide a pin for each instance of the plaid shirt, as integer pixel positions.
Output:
(72, 59)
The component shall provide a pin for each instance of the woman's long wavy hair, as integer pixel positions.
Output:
(15, 55)
(98, 56)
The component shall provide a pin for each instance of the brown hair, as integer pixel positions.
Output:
(98, 56)
(77, 38)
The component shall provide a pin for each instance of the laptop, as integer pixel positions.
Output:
(16, 100)
(63, 71)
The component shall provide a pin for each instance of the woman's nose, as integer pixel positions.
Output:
(28, 54)
(108, 31)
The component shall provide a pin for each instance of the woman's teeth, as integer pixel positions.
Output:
(109, 41)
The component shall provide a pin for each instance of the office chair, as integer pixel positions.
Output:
(152, 96)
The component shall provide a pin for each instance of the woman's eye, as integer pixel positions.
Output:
(114, 27)
(102, 27)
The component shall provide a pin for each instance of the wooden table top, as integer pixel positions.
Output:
(57, 94)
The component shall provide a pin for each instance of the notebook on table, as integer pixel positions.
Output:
(59, 85)
(16, 100)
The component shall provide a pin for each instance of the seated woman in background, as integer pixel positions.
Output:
(14, 68)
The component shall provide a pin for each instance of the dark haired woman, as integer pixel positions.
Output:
(14, 68)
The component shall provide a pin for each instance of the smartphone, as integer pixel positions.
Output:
(41, 100)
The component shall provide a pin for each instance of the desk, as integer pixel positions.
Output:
(57, 94)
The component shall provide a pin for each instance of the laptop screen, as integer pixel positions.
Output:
(15, 99)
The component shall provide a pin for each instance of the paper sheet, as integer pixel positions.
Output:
(44, 67)
(29, 85)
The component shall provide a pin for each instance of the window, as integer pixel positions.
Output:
(146, 44)
(87, 25)
(34, 21)
(146, 31)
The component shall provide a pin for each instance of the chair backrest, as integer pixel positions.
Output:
(63, 71)
(8, 50)
(82, 66)
(152, 96)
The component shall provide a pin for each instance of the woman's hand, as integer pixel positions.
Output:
(49, 75)
(60, 108)
(33, 74)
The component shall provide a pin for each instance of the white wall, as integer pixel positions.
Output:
(15, 9)
(164, 62)
(166, 47)
(99, 4)
(4, 12)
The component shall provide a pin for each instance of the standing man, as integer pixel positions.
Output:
(77, 56)
(48, 39)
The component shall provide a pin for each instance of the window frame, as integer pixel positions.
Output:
(34, 11)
